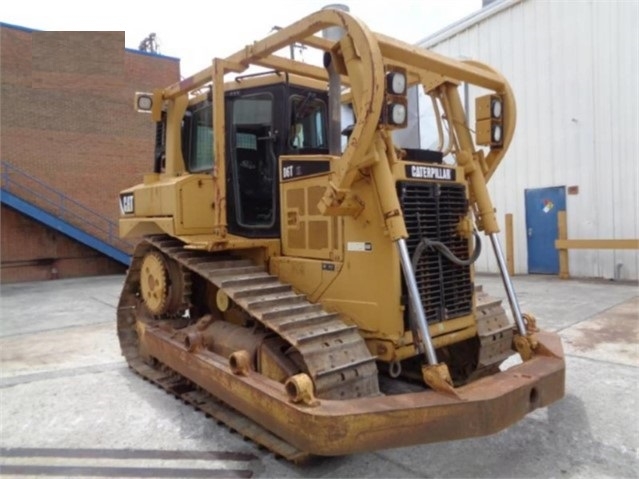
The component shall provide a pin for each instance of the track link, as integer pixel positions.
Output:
(334, 353)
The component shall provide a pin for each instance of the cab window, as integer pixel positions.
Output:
(308, 123)
(201, 152)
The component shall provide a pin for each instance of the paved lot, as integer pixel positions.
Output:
(70, 407)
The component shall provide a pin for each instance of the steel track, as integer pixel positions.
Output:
(335, 355)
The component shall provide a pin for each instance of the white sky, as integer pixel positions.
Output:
(195, 31)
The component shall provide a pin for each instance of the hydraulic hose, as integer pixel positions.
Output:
(445, 252)
(425, 243)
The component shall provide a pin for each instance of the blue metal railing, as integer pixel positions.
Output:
(36, 193)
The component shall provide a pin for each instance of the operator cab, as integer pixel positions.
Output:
(262, 122)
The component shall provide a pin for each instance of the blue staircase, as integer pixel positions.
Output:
(36, 199)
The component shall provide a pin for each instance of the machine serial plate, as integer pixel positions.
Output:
(359, 246)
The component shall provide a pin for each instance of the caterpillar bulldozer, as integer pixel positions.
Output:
(312, 286)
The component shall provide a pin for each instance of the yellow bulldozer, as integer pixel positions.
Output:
(312, 286)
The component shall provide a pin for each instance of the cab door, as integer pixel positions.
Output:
(252, 152)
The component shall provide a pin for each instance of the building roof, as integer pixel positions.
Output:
(129, 50)
(466, 22)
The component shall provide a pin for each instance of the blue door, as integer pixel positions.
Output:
(542, 205)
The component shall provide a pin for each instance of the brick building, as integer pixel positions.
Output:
(69, 141)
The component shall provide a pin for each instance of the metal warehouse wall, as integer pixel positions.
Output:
(574, 67)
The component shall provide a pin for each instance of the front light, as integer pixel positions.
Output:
(397, 113)
(490, 113)
(396, 83)
(496, 108)
(496, 134)
(144, 102)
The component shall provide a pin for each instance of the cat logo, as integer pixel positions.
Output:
(126, 204)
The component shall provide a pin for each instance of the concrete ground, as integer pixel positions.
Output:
(70, 407)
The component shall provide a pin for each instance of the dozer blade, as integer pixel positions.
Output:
(338, 427)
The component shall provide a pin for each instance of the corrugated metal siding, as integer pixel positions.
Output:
(574, 67)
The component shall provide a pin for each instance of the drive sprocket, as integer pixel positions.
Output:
(163, 285)
(154, 284)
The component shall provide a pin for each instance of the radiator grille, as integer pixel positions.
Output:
(433, 211)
